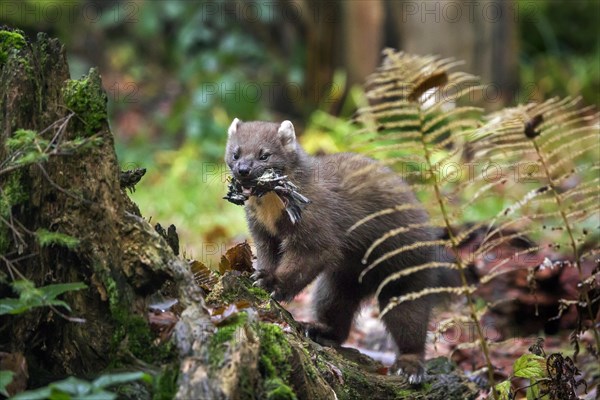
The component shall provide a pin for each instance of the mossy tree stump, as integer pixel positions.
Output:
(72, 188)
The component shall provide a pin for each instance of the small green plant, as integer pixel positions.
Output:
(5, 380)
(26, 147)
(550, 377)
(74, 388)
(528, 366)
(32, 297)
(47, 238)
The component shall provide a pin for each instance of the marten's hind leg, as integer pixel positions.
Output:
(407, 323)
(335, 302)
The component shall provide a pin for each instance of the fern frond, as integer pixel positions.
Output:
(386, 211)
(579, 142)
(485, 189)
(498, 268)
(557, 166)
(394, 301)
(435, 117)
(553, 139)
(392, 233)
(400, 250)
(405, 146)
(427, 85)
(416, 109)
(409, 271)
(488, 244)
(557, 132)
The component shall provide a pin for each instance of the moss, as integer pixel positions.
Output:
(275, 351)
(404, 393)
(217, 295)
(348, 391)
(275, 355)
(311, 370)
(274, 362)
(114, 297)
(259, 293)
(11, 195)
(276, 389)
(246, 384)
(355, 378)
(133, 330)
(47, 238)
(86, 98)
(219, 341)
(232, 288)
(10, 40)
(135, 333)
(357, 383)
(165, 384)
(4, 238)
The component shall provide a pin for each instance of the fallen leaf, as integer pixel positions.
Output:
(237, 258)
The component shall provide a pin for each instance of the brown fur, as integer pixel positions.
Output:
(343, 188)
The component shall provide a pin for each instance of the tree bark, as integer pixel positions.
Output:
(230, 340)
(483, 34)
(77, 193)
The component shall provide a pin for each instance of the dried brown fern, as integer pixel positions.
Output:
(560, 142)
(414, 116)
(417, 122)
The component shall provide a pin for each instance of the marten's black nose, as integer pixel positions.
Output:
(244, 170)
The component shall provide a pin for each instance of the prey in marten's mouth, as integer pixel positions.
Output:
(270, 181)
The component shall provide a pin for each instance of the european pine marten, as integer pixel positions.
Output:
(343, 189)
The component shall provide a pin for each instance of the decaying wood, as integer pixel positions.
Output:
(230, 339)
(77, 193)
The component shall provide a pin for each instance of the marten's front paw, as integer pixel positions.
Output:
(410, 366)
(268, 282)
(263, 280)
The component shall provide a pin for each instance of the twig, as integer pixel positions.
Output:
(60, 189)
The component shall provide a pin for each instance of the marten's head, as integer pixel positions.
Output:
(256, 146)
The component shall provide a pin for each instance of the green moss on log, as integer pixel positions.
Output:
(219, 342)
(86, 98)
(259, 293)
(165, 386)
(231, 288)
(11, 195)
(10, 40)
(275, 353)
(132, 332)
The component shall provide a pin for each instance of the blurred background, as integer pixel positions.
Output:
(177, 72)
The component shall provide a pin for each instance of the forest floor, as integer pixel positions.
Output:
(513, 330)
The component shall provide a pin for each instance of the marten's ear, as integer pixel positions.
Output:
(287, 135)
(233, 127)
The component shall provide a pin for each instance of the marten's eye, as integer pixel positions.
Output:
(236, 154)
(264, 156)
